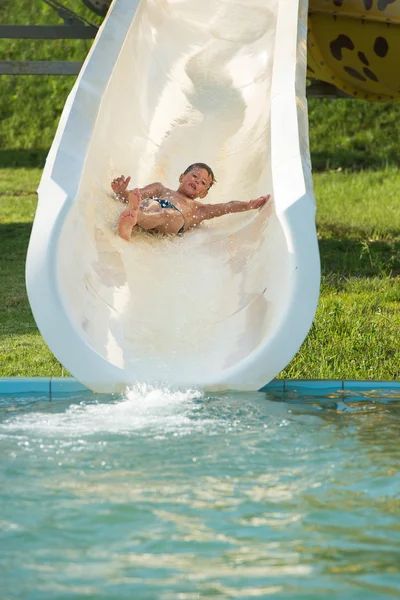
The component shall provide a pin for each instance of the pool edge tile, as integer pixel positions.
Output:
(365, 384)
(24, 385)
(275, 384)
(320, 385)
(61, 385)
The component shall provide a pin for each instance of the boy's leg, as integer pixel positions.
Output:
(128, 218)
(164, 221)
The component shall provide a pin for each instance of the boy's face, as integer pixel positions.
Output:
(195, 184)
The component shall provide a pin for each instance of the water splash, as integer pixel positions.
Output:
(142, 409)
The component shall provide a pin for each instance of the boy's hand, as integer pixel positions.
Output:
(259, 202)
(119, 184)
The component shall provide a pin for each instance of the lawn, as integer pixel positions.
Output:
(357, 326)
(355, 334)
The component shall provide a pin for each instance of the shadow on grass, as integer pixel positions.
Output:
(344, 258)
(340, 258)
(353, 233)
(14, 240)
(17, 159)
(351, 160)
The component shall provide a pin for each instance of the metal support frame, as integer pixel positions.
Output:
(75, 27)
(40, 67)
(321, 89)
(48, 32)
(78, 27)
(100, 7)
(69, 16)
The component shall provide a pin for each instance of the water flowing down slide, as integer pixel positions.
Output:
(226, 305)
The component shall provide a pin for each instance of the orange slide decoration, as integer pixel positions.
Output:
(355, 45)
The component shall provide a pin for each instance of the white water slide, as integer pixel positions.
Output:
(168, 83)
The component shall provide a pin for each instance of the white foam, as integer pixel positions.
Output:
(143, 408)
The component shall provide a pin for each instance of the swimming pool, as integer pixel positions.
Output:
(292, 492)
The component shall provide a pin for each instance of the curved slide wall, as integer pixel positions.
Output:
(227, 305)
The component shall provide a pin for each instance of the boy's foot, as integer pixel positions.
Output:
(128, 218)
(134, 199)
(126, 223)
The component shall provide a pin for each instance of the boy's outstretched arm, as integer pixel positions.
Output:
(210, 211)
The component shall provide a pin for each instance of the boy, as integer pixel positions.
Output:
(167, 211)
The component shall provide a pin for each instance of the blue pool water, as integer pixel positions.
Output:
(177, 495)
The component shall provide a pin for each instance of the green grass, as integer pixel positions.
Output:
(22, 349)
(353, 134)
(355, 334)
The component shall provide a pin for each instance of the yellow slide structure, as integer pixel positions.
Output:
(355, 46)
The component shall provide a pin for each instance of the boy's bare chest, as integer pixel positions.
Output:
(186, 206)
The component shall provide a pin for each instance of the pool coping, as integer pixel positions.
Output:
(68, 385)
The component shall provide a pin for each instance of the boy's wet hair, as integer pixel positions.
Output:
(200, 165)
